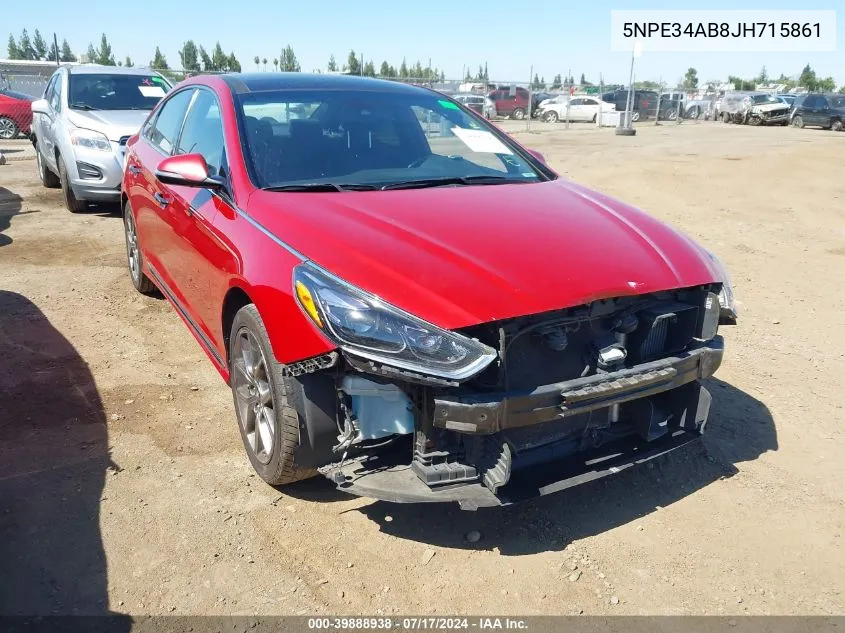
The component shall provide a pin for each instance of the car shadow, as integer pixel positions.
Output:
(54, 455)
(10, 205)
(740, 428)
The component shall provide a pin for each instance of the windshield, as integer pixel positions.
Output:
(373, 138)
(99, 91)
(765, 99)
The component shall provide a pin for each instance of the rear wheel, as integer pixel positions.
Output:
(635, 116)
(550, 117)
(8, 128)
(48, 178)
(797, 121)
(518, 114)
(694, 113)
(836, 126)
(134, 257)
(73, 204)
(269, 425)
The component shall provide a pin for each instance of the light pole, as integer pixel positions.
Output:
(626, 127)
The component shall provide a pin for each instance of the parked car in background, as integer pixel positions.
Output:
(756, 108)
(644, 102)
(788, 99)
(700, 109)
(820, 110)
(417, 314)
(536, 99)
(477, 103)
(15, 113)
(578, 108)
(510, 102)
(81, 126)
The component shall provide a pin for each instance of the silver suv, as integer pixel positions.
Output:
(81, 126)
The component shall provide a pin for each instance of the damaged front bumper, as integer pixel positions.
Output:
(520, 444)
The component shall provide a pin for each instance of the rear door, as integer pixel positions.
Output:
(148, 197)
(811, 110)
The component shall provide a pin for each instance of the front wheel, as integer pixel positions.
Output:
(797, 121)
(8, 128)
(72, 203)
(518, 114)
(550, 117)
(269, 425)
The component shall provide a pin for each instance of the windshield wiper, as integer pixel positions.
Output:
(322, 186)
(453, 180)
(82, 106)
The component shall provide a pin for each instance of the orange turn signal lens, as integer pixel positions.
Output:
(307, 301)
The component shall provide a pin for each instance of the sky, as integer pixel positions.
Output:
(512, 38)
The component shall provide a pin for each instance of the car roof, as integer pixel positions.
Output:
(95, 69)
(243, 83)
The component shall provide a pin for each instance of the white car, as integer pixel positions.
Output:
(577, 109)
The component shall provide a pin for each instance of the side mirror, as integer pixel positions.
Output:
(187, 170)
(537, 155)
(40, 106)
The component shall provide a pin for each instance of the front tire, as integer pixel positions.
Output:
(134, 257)
(518, 114)
(269, 425)
(72, 203)
(48, 178)
(836, 126)
(550, 117)
(797, 121)
(8, 128)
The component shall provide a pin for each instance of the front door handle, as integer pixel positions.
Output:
(134, 169)
(162, 200)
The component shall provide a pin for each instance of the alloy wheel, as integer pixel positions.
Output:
(8, 129)
(253, 395)
(132, 252)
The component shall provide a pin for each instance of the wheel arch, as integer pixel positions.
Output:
(235, 299)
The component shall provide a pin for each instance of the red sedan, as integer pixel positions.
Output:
(15, 113)
(408, 302)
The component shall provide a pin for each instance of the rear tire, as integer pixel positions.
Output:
(635, 116)
(73, 204)
(518, 114)
(550, 117)
(135, 259)
(48, 178)
(269, 425)
(836, 126)
(8, 129)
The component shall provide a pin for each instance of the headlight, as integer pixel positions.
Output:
(727, 303)
(364, 325)
(89, 139)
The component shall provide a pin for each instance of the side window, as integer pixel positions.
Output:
(821, 102)
(203, 132)
(56, 94)
(810, 101)
(169, 121)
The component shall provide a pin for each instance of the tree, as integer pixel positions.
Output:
(288, 62)
(67, 54)
(583, 80)
(13, 51)
(53, 54)
(808, 79)
(189, 57)
(535, 85)
(403, 70)
(691, 79)
(232, 63)
(826, 85)
(417, 71)
(384, 71)
(369, 69)
(91, 54)
(332, 65)
(353, 66)
(741, 84)
(485, 77)
(207, 64)
(557, 82)
(219, 59)
(763, 77)
(39, 45)
(159, 61)
(646, 85)
(257, 61)
(104, 54)
(25, 49)
(264, 62)
(128, 63)
(276, 63)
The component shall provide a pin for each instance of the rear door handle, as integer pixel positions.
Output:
(134, 169)
(162, 200)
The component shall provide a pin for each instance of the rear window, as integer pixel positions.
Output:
(102, 91)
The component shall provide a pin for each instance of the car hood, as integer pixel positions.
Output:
(770, 107)
(113, 123)
(459, 256)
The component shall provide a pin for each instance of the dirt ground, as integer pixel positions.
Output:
(124, 484)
